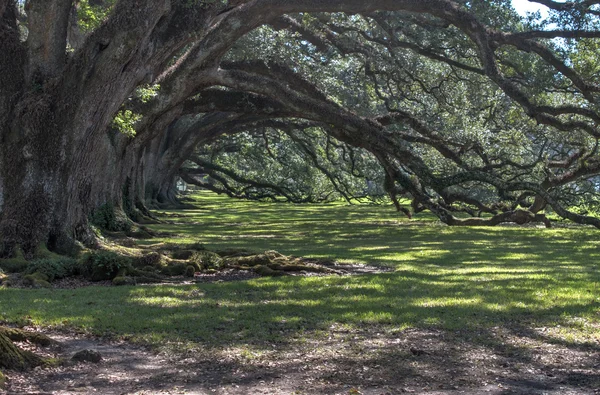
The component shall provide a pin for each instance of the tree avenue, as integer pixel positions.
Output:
(465, 105)
(459, 105)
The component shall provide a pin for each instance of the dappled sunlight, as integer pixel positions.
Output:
(447, 301)
(481, 286)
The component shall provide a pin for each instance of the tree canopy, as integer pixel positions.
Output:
(460, 105)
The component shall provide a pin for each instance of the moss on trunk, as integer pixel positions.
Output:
(12, 357)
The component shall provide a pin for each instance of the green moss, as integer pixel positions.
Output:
(195, 264)
(110, 218)
(36, 280)
(53, 362)
(190, 271)
(174, 269)
(36, 276)
(42, 252)
(122, 280)
(264, 270)
(153, 259)
(208, 260)
(12, 357)
(253, 260)
(26, 336)
(16, 264)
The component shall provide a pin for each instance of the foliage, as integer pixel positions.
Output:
(54, 268)
(146, 93)
(103, 265)
(92, 16)
(209, 260)
(454, 121)
(125, 121)
(299, 166)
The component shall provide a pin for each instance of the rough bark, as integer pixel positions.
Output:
(12, 357)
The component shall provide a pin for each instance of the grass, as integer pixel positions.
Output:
(457, 279)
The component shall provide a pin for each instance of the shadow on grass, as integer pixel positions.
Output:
(405, 329)
(510, 306)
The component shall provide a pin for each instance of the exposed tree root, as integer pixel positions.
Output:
(272, 263)
(21, 336)
(15, 358)
(517, 216)
(12, 357)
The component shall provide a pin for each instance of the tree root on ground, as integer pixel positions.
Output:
(13, 357)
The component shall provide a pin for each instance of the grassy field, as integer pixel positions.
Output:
(472, 279)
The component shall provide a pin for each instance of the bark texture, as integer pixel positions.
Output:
(12, 357)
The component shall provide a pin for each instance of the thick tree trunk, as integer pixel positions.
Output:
(51, 185)
(33, 170)
(58, 162)
(1, 191)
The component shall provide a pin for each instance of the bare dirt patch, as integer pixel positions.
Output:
(498, 361)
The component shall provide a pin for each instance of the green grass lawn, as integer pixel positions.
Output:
(474, 279)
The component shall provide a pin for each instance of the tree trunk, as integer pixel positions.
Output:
(59, 159)
(52, 183)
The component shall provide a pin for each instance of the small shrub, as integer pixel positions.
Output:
(53, 268)
(208, 260)
(104, 265)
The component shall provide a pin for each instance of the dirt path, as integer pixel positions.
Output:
(411, 361)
